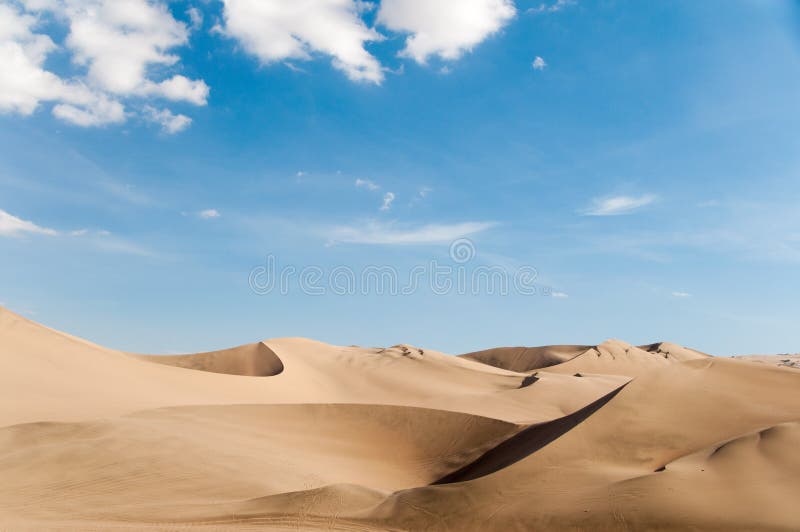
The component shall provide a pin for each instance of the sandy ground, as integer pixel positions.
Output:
(293, 434)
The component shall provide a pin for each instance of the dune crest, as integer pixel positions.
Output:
(251, 360)
(294, 434)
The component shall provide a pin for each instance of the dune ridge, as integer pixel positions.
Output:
(293, 434)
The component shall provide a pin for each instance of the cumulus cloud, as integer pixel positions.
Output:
(445, 29)
(277, 30)
(115, 47)
(24, 82)
(617, 205)
(101, 111)
(388, 198)
(366, 183)
(389, 233)
(170, 123)
(10, 225)
(538, 63)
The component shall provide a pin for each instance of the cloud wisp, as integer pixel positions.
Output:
(209, 214)
(388, 199)
(618, 205)
(555, 7)
(367, 183)
(13, 226)
(395, 234)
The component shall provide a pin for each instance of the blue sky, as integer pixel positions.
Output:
(646, 164)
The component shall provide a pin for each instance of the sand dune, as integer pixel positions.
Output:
(252, 360)
(527, 358)
(293, 434)
(785, 360)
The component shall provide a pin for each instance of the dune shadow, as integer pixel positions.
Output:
(251, 360)
(526, 359)
(524, 443)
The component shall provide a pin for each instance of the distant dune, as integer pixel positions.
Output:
(786, 360)
(293, 434)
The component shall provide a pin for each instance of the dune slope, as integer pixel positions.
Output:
(292, 434)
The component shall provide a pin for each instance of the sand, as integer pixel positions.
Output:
(293, 434)
(785, 360)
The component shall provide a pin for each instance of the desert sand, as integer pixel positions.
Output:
(785, 360)
(293, 434)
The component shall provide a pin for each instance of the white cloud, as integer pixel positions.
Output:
(388, 198)
(446, 29)
(617, 205)
(115, 47)
(207, 214)
(24, 83)
(100, 112)
(169, 122)
(279, 30)
(10, 225)
(551, 8)
(196, 17)
(178, 88)
(538, 63)
(366, 183)
(559, 295)
(681, 294)
(118, 40)
(389, 233)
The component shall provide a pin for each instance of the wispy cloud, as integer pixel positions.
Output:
(681, 295)
(208, 214)
(616, 205)
(195, 17)
(538, 63)
(559, 295)
(421, 194)
(388, 198)
(366, 183)
(391, 233)
(10, 225)
(558, 5)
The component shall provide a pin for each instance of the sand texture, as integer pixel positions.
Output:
(293, 434)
